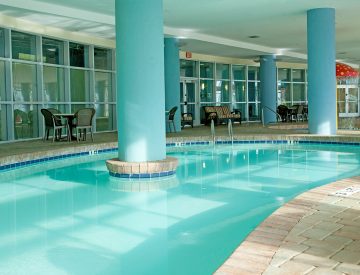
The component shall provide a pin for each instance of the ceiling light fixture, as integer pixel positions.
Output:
(253, 36)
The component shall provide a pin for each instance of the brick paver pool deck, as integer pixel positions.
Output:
(318, 232)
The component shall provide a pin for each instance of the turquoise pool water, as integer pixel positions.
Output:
(77, 220)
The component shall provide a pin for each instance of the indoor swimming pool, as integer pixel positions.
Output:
(70, 217)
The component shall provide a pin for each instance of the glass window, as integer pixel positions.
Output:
(60, 107)
(284, 95)
(239, 72)
(79, 85)
(24, 82)
(353, 107)
(253, 91)
(53, 51)
(188, 68)
(103, 87)
(75, 107)
(206, 70)
(222, 91)
(239, 91)
(299, 92)
(54, 87)
(25, 121)
(253, 73)
(189, 96)
(78, 55)
(341, 100)
(240, 107)
(23, 46)
(284, 75)
(2, 42)
(206, 90)
(222, 71)
(254, 111)
(3, 96)
(102, 59)
(103, 118)
(4, 128)
(298, 75)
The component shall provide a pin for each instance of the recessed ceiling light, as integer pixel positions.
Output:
(253, 36)
(341, 52)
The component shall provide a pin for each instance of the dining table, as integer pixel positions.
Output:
(70, 118)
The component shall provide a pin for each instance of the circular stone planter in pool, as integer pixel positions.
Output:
(146, 169)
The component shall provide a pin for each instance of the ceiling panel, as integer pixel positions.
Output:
(218, 27)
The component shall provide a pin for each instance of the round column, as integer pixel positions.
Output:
(321, 71)
(268, 87)
(140, 80)
(140, 91)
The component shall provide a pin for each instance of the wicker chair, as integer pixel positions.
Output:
(51, 122)
(83, 121)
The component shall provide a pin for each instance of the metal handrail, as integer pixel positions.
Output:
(213, 130)
(278, 117)
(231, 133)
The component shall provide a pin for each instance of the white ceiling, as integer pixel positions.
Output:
(216, 27)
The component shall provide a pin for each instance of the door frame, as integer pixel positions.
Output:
(195, 81)
(347, 100)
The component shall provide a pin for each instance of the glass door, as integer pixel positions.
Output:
(189, 99)
(348, 100)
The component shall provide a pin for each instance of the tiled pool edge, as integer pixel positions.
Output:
(271, 247)
(21, 160)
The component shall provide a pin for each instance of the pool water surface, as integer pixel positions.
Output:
(71, 217)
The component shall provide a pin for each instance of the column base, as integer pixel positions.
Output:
(146, 169)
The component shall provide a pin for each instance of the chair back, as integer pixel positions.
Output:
(282, 110)
(48, 117)
(300, 109)
(53, 110)
(84, 117)
(172, 113)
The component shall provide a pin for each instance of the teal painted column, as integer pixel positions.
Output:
(268, 87)
(321, 71)
(140, 80)
(172, 78)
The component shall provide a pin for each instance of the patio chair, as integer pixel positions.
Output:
(170, 119)
(298, 113)
(83, 121)
(283, 111)
(51, 122)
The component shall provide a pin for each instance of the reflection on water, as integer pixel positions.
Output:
(143, 185)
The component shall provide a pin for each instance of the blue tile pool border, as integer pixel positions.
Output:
(20, 164)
